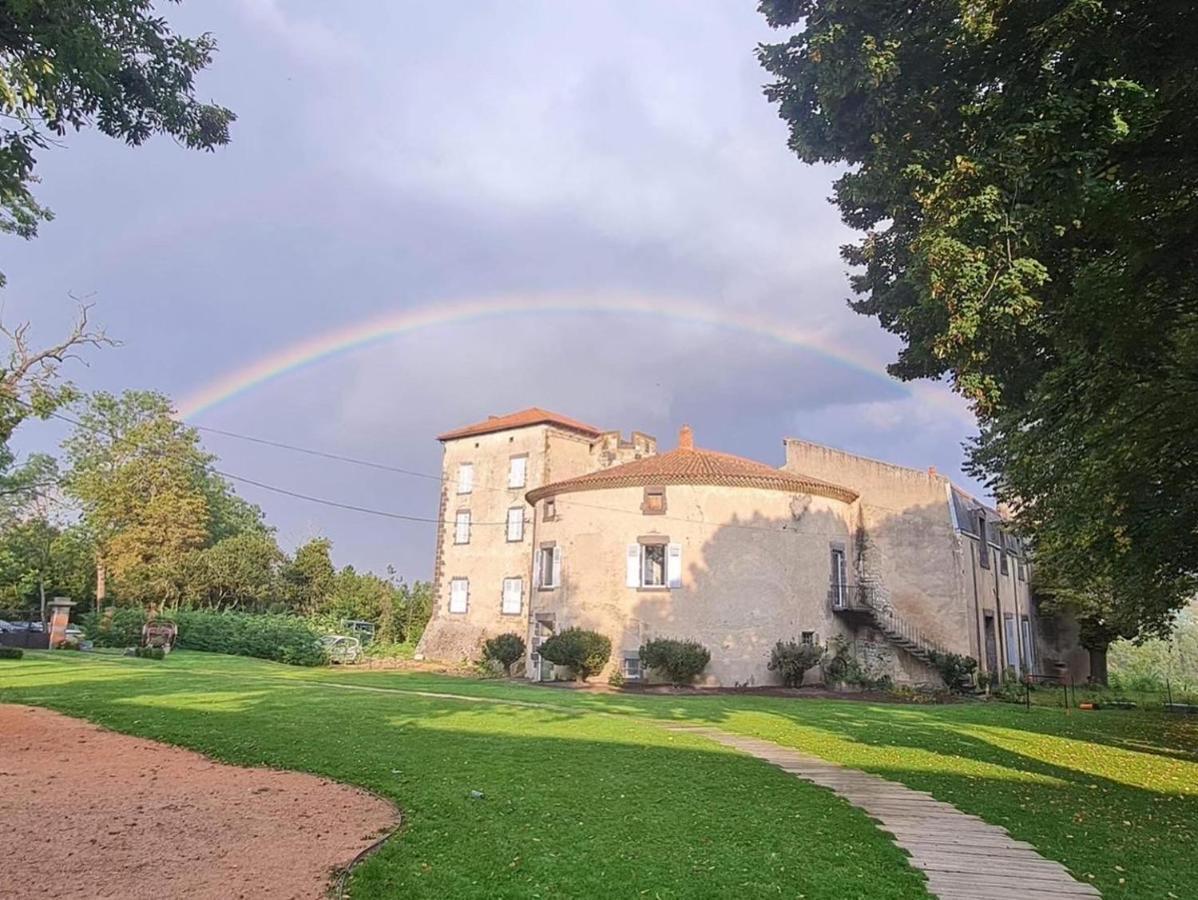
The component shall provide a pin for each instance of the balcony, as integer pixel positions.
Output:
(850, 598)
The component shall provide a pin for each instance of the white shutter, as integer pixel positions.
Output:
(461, 532)
(516, 473)
(537, 559)
(513, 595)
(515, 524)
(674, 565)
(465, 478)
(633, 566)
(459, 593)
(557, 566)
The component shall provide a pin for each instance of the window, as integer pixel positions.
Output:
(461, 527)
(808, 637)
(840, 588)
(654, 503)
(517, 471)
(1020, 570)
(459, 595)
(1028, 645)
(983, 543)
(465, 478)
(1002, 562)
(654, 563)
(549, 566)
(515, 524)
(550, 512)
(1012, 640)
(631, 667)
(513, 596)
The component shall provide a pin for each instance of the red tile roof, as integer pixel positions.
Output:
(534, 415)
(687, 465)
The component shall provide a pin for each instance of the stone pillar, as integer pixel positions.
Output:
(60, 616)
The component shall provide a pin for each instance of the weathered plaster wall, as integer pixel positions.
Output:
(755, 570)
(489, 557)
(910, 544)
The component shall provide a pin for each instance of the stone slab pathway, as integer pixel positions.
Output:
(963, 857)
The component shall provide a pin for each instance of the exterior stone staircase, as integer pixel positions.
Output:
(865, 603)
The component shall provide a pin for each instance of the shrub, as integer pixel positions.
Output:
(956, 670)
(11, 652)
(150, 653)
(282, 638)
(616, 678)
(792, 659)
(584, 652)
(680, 661)
(505, 649)
(114, 627)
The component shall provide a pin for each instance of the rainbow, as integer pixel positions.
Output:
(318, 348)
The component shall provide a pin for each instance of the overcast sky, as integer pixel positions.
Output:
(391, 156)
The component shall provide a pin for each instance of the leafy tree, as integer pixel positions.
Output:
(240, 572)
(139, 477)
(309, 577)
(113, 64)
(1026, 175)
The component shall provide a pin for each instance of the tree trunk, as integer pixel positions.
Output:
(1098, 667)
(41, 590)
(101, 585)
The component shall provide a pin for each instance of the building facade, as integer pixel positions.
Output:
(548, 523)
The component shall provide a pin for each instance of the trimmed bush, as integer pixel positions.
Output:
(282, 638)
(11, 652)
(584, 652)
(680, 661)
(505, 649)
(792, 659)
(956, 670)
(150, 653)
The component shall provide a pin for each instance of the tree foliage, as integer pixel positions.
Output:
(505, 649)
(111, 64)
(139, 477)
(1027, 178)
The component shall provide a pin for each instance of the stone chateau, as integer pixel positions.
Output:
(547, 523)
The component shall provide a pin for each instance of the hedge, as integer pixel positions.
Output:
(680, 661)
(281, 638)
(285, 639)
(584, 652)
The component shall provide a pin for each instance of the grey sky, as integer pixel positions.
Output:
(392, 155)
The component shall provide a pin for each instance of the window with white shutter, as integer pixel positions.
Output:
(515, 524)
(557, 566)
(513, 596)
(459, 595)
(674, 565)
(632, 567)
(517, 472)
(461, 527)
(465, 478)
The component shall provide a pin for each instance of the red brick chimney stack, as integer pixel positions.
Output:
(686, 438)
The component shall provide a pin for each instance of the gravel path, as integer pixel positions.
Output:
(90, 813)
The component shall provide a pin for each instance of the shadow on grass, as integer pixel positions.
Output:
(572, 804)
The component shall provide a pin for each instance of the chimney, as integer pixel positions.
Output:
(932, 471)
(686, 438)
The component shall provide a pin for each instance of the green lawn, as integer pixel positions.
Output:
(586, 795)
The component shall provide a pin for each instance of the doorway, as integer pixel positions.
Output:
(991, 644)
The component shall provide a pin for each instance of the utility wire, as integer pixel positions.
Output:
(405, 517)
